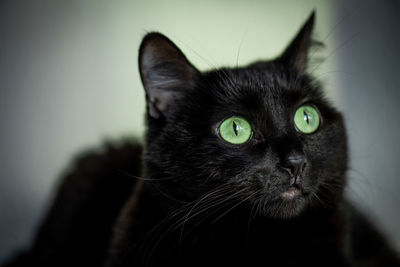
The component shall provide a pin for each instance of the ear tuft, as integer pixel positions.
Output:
(165, 73)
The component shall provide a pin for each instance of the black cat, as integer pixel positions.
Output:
(240, 167)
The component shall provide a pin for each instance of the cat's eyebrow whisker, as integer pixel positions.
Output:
(226, 79)
(239, 48)
(210, 62)
(212, 66)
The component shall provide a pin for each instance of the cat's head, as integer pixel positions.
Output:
(262, 134)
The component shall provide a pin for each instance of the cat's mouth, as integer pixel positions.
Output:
(291, 193)
(294, 190)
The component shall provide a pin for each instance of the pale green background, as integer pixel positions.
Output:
(70, 79)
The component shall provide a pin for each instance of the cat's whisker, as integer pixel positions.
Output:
(252, 211)
(330, 187)
(212, 64)
(204, 218)
(159, 226)
(340, 46)
(144, 178)
(277, 209)
(318, 198)
(320, 44)
(153, 232)
(335, 185)
(177, 224)
(231, 198)
(186, 218)
(361, 177)
(167, 195)
(251, 214)
(155, 241)
(221, 204)
(258, 210)
(177, 212)
(239, 49)
(226, 212)
(213, 204)
(229, 202)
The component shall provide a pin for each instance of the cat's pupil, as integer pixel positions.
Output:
(235, 128)
(306, 118)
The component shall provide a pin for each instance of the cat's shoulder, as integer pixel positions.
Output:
(87, 200)
(113, 154)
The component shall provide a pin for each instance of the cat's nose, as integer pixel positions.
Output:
(295, 163)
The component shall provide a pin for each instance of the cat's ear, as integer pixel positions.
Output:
(296, 54)
(165, 73)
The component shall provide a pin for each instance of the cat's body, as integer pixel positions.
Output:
(195, 195)
(76, 238)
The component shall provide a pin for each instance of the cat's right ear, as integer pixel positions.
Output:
(165, 73)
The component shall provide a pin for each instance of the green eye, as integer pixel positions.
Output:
(235, 130)
(306, 119)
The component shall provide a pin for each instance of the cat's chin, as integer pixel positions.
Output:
(290, 204)
(291, 209)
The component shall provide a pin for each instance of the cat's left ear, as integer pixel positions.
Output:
(165, 73)
(296, 54)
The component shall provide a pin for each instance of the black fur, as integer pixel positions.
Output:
(200, 200)
(77, 230)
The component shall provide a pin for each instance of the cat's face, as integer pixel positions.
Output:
(275, 167)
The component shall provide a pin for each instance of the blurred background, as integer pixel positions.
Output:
(69, 81)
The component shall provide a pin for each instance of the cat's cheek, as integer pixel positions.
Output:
(327, 147)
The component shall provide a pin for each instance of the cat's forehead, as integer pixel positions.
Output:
(253, 87)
